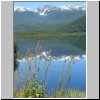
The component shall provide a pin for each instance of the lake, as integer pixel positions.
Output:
(62, 49)
(69, 45)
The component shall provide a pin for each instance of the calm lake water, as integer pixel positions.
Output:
(70, 45)
(73, 45)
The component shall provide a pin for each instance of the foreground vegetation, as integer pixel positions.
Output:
(70, 93)
(35, 87)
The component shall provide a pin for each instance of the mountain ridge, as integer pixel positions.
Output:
(79, 25)
(28, 20)
(46, 8)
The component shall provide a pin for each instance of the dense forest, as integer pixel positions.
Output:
(78, 25)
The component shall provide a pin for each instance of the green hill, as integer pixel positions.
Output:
(78, 25)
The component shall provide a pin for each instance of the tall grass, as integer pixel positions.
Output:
(34, 87)
(69, 93)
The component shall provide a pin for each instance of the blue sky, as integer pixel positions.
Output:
(34, 5)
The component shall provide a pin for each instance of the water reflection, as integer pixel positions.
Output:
(47, 66)
(53, 70)
(70, 45)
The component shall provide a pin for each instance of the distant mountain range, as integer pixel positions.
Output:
(43, 11)
(47, 17)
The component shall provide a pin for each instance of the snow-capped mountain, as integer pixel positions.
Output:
(46, 17)
(21, 9)
(46, 8)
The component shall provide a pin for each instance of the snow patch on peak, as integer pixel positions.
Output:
(42, 11)
(21, 9)
(72, 7)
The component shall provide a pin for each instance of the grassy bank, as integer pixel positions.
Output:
(70, 93)
(46, 34)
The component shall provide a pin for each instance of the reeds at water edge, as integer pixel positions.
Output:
(35, 87)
